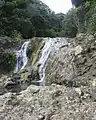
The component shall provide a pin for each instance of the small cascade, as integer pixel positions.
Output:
(21, 57)
(43, 59)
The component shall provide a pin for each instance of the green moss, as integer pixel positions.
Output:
(35, 44)
(24, 76)
(34, 49)
(35, 56)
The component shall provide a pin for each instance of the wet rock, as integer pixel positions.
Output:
(32, 89)
(24, 71)
(16, 76)
(34, 76)
(10, 85)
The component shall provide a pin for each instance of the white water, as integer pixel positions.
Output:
(51, 46)
(21, 57)
(44, 56)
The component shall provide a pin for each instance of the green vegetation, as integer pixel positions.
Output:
(87, 17)
(81, 19)
(69, 26)
(34, 49)
(30, 18)
(7, 61)
(33, 18)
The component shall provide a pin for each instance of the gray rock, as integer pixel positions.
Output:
(74, 65)
(78, 50)
(53, 102)
(71, 91)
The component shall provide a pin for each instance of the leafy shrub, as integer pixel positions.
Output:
(86, 15)
(7, 61)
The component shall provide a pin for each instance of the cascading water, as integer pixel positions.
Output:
(42, 61)
(51, 46)
(21, 57)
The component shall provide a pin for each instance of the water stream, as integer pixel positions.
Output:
(52, 45)
(43, 59)
(21, 57)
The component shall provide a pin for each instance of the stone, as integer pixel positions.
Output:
(94, 82)
(32, 89)
(90, 37)
(78, 50)
(78, 90)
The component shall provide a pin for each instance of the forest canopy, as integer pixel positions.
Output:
(31, 18)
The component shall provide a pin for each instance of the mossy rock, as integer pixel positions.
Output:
(34, 49)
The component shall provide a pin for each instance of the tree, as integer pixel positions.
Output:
(77, 2)
(69, 24)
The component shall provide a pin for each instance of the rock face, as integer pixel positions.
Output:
(70, 85)
(74, 65)
(61, 68)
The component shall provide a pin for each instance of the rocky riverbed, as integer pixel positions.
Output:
(55, 102)
(70, 85)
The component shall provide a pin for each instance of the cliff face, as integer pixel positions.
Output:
(74, 66)
(69, 91)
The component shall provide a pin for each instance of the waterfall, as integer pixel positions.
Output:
(21, 57)
(51, 46)
(43, 59)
